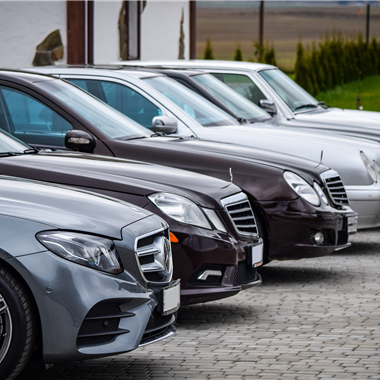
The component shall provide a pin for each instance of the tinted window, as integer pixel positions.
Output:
(29, 119)
(122, 98)
(243, 85)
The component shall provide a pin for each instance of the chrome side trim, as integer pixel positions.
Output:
(169, 331)
(204, 275)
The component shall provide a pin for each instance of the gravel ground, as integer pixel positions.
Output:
(311, 319)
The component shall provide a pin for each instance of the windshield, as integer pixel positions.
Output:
(241, 106)
(199, 108)
(109, 121)
(11, 144)
(290, 92)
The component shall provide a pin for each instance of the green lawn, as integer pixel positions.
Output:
(345, 96)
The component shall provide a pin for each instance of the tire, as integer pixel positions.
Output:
(18, 323)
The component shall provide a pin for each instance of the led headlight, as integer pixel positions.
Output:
(180, 209)
(371, 170)
(302, 188)
(320, 192)
(92, 251)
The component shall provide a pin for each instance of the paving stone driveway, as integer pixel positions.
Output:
(311, 319)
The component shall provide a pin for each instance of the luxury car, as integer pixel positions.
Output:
(300, 207)
(267, 86)
(215, 241)
(143, 95)
(73, 281)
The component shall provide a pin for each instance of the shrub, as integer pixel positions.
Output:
(336, 61)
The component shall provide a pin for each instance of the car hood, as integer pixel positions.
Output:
(341, 153)
(255, 155)
(119, 175)
(365, 123)
(59, 207)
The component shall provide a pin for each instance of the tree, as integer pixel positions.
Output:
(208, 50)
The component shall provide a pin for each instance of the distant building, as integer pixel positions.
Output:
(44, 32)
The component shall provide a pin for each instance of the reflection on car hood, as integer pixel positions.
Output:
(114, 174)
(61, 208)
(341, 153)
(343, 117)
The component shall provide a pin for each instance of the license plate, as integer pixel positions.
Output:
(171, 298)
(257, 254)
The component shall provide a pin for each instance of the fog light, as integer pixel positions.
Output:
(318, 238)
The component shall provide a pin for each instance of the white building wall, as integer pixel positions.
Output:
(106, 31)
(160, 30)
(24, 25)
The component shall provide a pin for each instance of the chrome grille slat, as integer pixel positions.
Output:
(159, 267)
(335, 187)
(240, 211)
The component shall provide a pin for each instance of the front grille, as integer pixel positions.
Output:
(245, 273)
(240, 211)
(101, 324)
(154, 255)
(335, 188)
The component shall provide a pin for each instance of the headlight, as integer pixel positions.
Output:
(92, 251)
(320, 192)
(377, 167)
(370, 168)
(302, 188)
(213, 216)
(180, 209)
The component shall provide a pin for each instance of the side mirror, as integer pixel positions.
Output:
(268, 105)
(164, 124)
(80, 140)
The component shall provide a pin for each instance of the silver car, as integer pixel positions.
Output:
(267, 86)
(190, 114)
(72, 282)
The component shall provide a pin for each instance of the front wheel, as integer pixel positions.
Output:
(17, 326)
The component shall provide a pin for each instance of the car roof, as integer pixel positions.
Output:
(23, 76)
(96, 70)
(239, 65)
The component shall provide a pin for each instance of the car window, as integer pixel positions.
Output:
(30, 119)
(122, 98)
(197, 107)
(243, 85)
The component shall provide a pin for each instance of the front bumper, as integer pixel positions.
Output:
(365, 200)
(212, 265)
(86, 313)
(291, 233)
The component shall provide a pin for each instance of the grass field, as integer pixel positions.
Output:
(345, 96)
(232, 23)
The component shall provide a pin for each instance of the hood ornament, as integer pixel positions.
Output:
(231, 176)
(320, 161)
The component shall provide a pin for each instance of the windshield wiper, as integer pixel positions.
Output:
(306, 105)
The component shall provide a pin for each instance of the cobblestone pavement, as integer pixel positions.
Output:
(311, 319)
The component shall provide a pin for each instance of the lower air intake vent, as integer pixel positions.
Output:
(240, 211)
(101, 324)
(335, 187)
(154, 255)
(245, 273)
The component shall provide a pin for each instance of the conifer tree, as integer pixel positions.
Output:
(208, 54)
